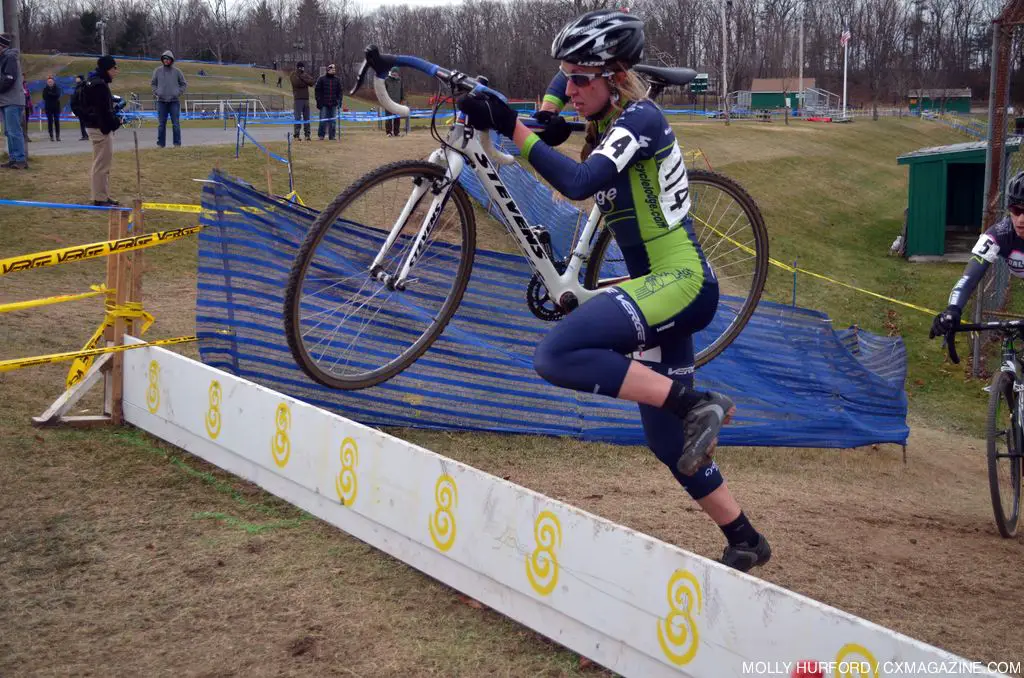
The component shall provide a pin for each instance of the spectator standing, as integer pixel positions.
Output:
(28, 112)
(328, 99)
(301, 82)
(12, 101)
(51, 105)
(168, 85)
(81, 123)
(279, 82)
(100, 123)
(393, 85)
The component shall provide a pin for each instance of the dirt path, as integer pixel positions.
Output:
(121, 557)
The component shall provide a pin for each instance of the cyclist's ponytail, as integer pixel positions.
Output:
(633, 88)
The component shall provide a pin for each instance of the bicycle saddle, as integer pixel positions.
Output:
(666, 76)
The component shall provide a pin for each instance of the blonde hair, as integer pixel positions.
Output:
(632, 88)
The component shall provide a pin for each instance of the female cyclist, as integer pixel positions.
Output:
(636, 174)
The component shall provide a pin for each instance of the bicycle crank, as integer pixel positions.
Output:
(540, 302)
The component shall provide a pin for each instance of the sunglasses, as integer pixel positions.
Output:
(1016, 210)
(584, 79)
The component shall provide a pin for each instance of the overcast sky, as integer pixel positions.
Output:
(368, 5)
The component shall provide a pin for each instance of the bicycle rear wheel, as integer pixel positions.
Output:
(732, 234)
(346, 328)
(1004, 453)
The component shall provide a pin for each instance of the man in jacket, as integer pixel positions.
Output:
(328, 99)
(301, 82)
(393, 85)
(100, 123)
(51, 105)
(168, 85)
(12, 102)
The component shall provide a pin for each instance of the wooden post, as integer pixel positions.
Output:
(137, 259)
(270, 186)
(123, 282)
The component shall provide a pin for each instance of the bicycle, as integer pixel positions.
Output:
(417, 257)
(1004, 391)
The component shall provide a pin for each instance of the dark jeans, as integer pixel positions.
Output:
(164, 109)
(327, 121)
(393, 126)
(81, 124)
(301, 110)
(53, 124)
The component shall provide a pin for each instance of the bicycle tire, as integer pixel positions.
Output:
(760, 231)
(316, 234)
(1002, 391)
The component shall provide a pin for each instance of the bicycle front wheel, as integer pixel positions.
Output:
(1004, 453)
(732, 234)
(350, 328)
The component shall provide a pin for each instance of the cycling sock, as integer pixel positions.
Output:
(740, 532)
(681, 399)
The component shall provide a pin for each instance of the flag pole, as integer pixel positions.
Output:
(846, 49)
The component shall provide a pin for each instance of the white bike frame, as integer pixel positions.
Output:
(484, 160)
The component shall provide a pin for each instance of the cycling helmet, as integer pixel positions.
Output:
(600, 38)
(1015, 190)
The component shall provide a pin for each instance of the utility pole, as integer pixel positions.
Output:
(800, 91)
(102, 26)
(9, 21)
(725, 51)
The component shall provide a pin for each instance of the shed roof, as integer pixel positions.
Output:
(953, 150)
(790, 84)
(940, 93)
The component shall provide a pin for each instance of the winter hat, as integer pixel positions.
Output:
(6, 39)
(105, 63)
(167, 53)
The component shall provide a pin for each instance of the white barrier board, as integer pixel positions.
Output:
(632, 603)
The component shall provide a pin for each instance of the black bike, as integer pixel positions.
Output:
(1005, 435)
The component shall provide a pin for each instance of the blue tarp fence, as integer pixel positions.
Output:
(797, 381)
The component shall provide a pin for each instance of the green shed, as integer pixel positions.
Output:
(946, 187)
(769, 100)
(939, 100)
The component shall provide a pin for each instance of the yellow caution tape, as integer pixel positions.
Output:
(94, 250)
(82, 363)
(298, 199)
(34, 303)
(9, 365)
(171, 207)
(791, 269)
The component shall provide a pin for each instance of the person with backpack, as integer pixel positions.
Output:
(328, 98)
(168, 85)
(79, 79)
(12, 102)
(95, 107)
(51, 105)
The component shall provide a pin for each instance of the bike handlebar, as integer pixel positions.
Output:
(383, 63)
(995, 325)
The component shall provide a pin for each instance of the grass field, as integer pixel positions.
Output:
(121, 555)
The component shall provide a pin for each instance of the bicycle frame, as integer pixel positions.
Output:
(532, 240)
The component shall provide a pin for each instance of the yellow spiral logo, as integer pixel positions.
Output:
(542, 564)
(677, 632)
(855, 661)
(153, 390)
(345, 483)
(213, 414)
(442, 521)
(280, 446)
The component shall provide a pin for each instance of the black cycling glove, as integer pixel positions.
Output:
(556, 128)
(487, 111)
(945, 321)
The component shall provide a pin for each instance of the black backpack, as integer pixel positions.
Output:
(77, 102)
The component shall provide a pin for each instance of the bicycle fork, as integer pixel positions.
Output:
(454, 164)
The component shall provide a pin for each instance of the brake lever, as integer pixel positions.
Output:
(359, 78)
(950, 343)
